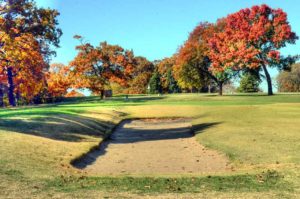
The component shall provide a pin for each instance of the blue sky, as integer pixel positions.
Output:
(152, 28)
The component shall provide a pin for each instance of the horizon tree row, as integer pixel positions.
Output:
(246, 43)
(243, 43)
(248, 40)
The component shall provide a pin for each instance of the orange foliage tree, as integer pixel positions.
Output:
(58, 80)
(165, 69)
(140, 76)
(22, 65)
(26, 33)
(95, 67)
(193, 62)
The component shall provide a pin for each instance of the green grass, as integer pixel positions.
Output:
(257, 132)
(262, 182)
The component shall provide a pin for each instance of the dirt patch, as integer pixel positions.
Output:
(152, 146)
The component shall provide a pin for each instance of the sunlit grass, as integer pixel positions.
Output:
(257, 132)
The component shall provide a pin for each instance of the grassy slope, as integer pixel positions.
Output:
(257, 132)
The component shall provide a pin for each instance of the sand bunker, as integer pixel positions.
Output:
(153, 146)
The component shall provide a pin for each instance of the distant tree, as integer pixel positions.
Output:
(95, 68)
(229, 88)
(140, 76)
(250, 82)
(58, 80)
(74, 93)
(251, 39)
(165, 69)
(289, 81)
(155, 84)
(172, 83)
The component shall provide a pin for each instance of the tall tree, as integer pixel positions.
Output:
(22, 20)
(95, 67)
(193, 63)
(23, 66)
(155, 83)
(171, 82)
(252, 38)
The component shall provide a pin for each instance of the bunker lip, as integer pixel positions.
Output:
(151, 145)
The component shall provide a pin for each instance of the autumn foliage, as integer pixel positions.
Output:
(252, 39)
(96, 67)
(248, 39)
(58, 80)
(289, 81)
(213, 54)
(140, 76)
(26, 34)
(191, 66)
(22, 59)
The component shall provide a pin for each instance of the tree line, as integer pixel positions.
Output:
(243, 44)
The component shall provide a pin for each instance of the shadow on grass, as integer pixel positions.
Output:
(61, 127)
(126, 133)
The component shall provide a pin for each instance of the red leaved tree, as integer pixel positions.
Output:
(252, 38)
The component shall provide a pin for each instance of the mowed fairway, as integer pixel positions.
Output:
(260, 135)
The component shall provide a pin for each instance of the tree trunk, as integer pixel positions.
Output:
(11, 87)
(18, 97)
(269, 80)
(1, 96)
(102, 94)
(220, 88)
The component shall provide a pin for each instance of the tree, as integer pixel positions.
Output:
(249, 83)
(23, 24)
(155, 84)
(22, 67)
(289, 81)
(171, 82)
(252, 38)
(140, 76)
(58, 80)
(2, 87)
(193, 64)
(95, 67)
(165, 69)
